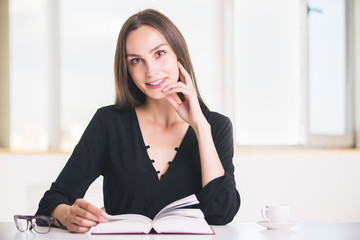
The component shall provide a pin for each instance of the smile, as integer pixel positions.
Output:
(156, 84)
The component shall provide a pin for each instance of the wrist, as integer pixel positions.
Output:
(61, 213)
(201, 126)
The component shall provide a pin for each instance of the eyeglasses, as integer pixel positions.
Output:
(40, 224)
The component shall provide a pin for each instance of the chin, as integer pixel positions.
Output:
(157, 96)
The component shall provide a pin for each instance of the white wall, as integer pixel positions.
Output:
(320, 185)
(24, 178)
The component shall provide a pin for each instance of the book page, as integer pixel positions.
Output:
(135, 217)
(124, 223)
(184, 202)
(191, 221)
(183, 212)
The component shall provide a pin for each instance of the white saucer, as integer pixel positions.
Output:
(277, 226)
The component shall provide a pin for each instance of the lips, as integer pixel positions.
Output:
(156, 84)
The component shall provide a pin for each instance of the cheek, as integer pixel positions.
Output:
(176, 73)
(134, 73)
(172, 68)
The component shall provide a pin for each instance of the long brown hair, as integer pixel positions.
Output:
(127, 93)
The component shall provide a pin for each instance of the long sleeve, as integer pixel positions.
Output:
(219, 199)
(84, 165)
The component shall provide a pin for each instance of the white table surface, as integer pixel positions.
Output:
(248, 231)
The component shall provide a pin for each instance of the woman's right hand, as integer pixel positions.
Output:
(80, 216)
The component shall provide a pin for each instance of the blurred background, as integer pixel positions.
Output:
(285, 72)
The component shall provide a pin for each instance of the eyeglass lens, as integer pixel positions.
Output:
(40, 225)
(21, 224)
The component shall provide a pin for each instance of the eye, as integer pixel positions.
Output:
(159, 53)
(135, 60)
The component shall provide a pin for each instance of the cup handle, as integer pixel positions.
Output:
(263, 213)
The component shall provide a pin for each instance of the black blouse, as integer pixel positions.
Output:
(112, 146)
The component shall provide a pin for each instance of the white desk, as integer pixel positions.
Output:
(238, 231)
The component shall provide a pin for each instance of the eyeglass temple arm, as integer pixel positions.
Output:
(60, 224)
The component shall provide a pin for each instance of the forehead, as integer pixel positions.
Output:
(144, 38)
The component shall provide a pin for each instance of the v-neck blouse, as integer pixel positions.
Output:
(146, 147)
(112, 146)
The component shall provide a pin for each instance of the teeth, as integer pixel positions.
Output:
(156, 83)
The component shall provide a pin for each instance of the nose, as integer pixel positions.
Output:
(151, 68)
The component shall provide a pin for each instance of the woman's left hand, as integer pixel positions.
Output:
(189, 110)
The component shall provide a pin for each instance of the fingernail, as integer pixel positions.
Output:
(103, 220)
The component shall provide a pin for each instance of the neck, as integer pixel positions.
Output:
(160, 112)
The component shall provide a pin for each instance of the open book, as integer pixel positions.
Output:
(171, 219)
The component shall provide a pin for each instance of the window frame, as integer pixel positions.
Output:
(346, 140)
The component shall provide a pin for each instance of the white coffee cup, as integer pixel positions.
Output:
(276, 213)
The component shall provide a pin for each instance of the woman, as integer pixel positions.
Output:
(157, 144)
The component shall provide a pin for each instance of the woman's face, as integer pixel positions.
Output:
(151, 61)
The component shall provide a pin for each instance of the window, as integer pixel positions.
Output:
(282, 75)
(64, 72)
(28, 78)
(292, 83)
(267, 72)
(329, 89)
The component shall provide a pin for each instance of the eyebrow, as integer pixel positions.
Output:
(152, 50)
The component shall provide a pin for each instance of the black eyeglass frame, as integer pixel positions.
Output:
(29, 219)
